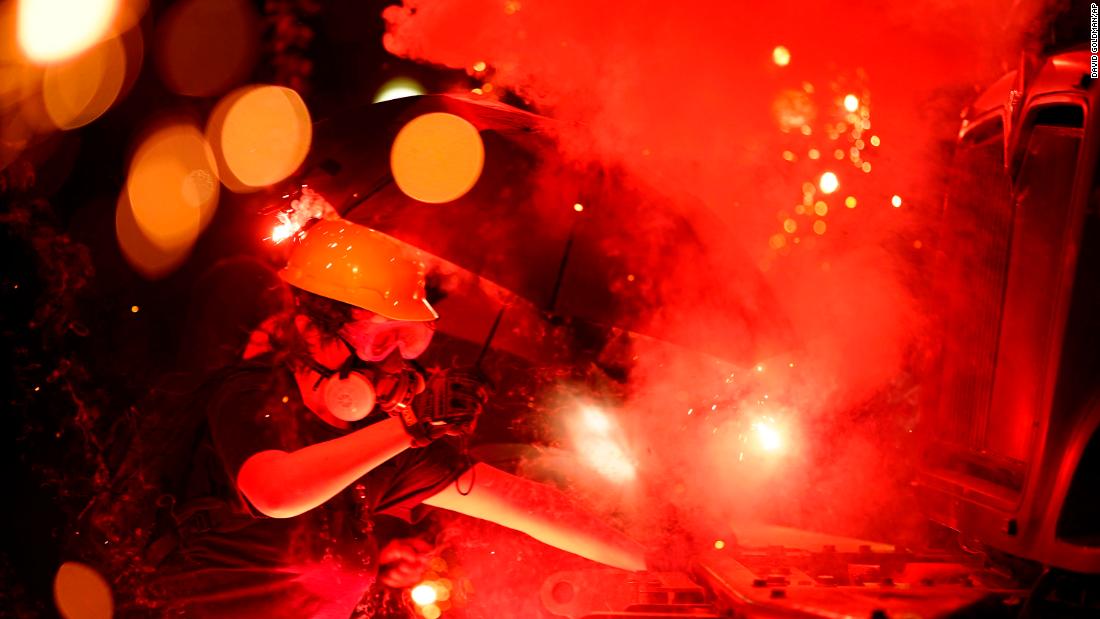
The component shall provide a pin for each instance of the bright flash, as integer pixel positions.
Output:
(828, 182)
(423, 594)
(851, 103)
(781, 56)
(596, 420)
(768, 436)
(896, 201)
(53, 30)
(593, 437)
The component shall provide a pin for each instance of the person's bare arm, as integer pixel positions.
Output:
(542, 512)
(284, 484)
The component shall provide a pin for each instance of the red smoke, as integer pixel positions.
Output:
(688, 99)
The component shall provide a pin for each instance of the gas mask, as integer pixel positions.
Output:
(353, 390)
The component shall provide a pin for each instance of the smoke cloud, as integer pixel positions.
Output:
(700, 103)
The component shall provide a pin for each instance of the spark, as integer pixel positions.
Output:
(578, 207)
(828, 182)
(479, 66)
(896, 201)
(719, 544)
(135, 309)
(851, 103)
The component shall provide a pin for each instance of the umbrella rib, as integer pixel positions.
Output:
(561, 273)
(489, 338)
(356, 201)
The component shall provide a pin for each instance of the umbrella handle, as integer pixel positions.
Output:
(489, 340)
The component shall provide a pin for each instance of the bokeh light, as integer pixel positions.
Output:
(437, 157)
(81, 593)
(431, 611)
(172, 186)
(143, 255)
(896, 201)
(828, 182)
(78, 91)
(423, 594)
(55, 30)
(781, 56)
(260, 135)
(398, 88)
(851, 103)
(205, 47)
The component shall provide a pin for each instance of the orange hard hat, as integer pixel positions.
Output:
(362, 267)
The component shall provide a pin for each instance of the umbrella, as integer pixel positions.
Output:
(578, 241)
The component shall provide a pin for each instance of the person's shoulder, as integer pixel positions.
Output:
(259, 371)
(248, 378)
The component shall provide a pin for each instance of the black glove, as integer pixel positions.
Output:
(449, 406)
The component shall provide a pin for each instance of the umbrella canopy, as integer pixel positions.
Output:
(577, 240)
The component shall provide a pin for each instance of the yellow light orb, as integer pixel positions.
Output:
(828, 182)
(781, 56)
(260, 135)
(54, 30)
(851, 103)
(819, 227)
(850, 201)
(172, 186)
(78, 91)
(896, 201)
(719, 544)
(143, 255)
(81, 593)
(437, 157)
(423, 594)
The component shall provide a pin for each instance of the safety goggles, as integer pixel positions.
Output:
(375, 338)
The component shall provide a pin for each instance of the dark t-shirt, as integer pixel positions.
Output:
(233, 559)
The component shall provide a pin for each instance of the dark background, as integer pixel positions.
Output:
(79, 360)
